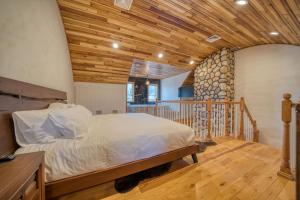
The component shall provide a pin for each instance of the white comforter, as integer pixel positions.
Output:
(112, 140)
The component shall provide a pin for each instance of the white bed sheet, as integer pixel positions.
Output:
(113, 139)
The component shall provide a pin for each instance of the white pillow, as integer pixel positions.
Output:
(71, 122)
(57, 105)
(32, 127)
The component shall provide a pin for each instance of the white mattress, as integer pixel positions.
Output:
(112, 140)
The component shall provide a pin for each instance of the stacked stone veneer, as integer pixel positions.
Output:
(214, 77)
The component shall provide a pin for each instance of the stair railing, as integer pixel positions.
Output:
(208, 118)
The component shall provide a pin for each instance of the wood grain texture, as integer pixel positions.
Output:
(232, 169)
(16, 176)
(179, 29)
(153, 70)
(17, 96)
(83, 181)
(27, 90)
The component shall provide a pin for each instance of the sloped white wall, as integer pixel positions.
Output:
(262, 74)
(33, 45)
(101, 96)
(169, 86)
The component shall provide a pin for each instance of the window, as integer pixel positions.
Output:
(130, 92)
(152, 92)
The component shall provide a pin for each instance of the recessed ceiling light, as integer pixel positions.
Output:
(274, 33)
(160, 55)
(241, 2)
(192, 62)
(115, 45)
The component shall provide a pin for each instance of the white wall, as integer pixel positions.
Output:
(101, 96)
(169, 86)
(33, 45)
(262, 75)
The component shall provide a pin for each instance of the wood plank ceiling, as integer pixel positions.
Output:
(154, 70)
(176, 28)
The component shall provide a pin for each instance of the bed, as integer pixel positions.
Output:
(116, 145)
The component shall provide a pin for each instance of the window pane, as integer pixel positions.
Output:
(152, 92)
(130, 92)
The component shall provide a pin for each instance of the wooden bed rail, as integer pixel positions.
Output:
(288, 109)
(208, 118)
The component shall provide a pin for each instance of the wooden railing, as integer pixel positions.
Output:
(290, 115)
(208, 118)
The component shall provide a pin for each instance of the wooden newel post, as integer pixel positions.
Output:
(208, 140)
(256, 132)
(286, 116)
(226, 117)
(242, 109)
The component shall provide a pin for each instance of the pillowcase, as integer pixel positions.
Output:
(33, 127)
(57, 105)
(71, 122)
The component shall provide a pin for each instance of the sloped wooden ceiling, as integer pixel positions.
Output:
(189, 81)
(177, 28)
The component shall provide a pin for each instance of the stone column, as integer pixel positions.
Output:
(214, 77)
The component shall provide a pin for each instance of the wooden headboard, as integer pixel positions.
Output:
(16, 96)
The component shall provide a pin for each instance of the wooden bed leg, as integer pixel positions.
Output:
(195, 159)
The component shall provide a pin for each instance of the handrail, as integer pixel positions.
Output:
(249, 114)
(197, 101)
(208, 118)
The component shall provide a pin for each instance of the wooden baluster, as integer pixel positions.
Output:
(185, 114)
(233, 118)
(242, 109)
(208, 138)
(171, 111)
(175, 107)
(226, 115)
(285, 169)
(190, 114)
(199, 119)
(156, 108)
(180, 112)
(213, 120)
(167, 113)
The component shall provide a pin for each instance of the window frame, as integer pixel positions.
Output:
(133, 88)
(156, 85)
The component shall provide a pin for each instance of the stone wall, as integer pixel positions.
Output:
(214, 77)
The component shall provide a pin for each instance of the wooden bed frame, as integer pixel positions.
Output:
(17, 95)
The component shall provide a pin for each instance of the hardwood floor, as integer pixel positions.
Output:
(232, 169)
